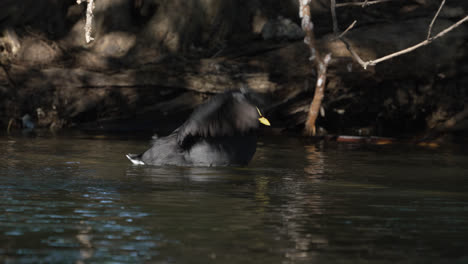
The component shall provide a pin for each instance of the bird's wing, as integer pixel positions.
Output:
(223, 115)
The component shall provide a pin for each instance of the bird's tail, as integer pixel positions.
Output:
(135, 159)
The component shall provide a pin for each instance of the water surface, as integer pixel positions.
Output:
(76, 199)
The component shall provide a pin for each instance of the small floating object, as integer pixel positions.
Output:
(429, 144)
(349, 139)
(382, 140)
(371, 140)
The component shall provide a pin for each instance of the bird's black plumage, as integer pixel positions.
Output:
(219, 132)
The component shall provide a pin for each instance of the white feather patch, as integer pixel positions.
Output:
(135, 161)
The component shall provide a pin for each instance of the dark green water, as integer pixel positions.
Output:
(76, 199)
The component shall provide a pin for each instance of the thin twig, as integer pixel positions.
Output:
(354, 53)
(363, 4)
(335, 21)
(429, 31)
(333, 13)
(341, 36)
(347, 29)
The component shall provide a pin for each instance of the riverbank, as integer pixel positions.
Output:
(118, 83)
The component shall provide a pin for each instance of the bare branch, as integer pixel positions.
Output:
(321, 65)
(89, 19)
(429, 31)
(335, 31)
(341, 36)
(315, 106)
(421, 44)
(363, 4)
(308, 27)
(428, 40)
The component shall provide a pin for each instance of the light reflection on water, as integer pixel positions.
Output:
(78, 200)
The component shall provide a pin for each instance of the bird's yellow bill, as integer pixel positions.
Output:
(264, 121)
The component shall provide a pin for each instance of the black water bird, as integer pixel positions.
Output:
(220, 132)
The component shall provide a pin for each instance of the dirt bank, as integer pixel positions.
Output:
(153, 61)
